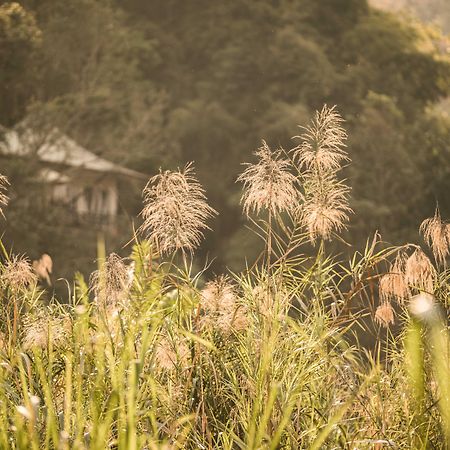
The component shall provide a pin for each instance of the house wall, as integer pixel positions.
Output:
(90, 195)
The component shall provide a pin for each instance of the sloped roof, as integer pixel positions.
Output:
(57, 148)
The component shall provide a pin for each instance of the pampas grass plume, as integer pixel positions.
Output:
(175, 210)
(436, 234)
(268, 184)
(18, 273)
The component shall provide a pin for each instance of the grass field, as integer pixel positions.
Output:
(150, 354)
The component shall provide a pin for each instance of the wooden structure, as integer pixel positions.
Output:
(71, 174)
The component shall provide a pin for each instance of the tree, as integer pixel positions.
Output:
(20, 40)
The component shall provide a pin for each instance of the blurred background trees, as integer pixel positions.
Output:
(150, 83)
(435, 11)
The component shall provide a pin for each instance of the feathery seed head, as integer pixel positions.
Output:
(423, 306)
(394, 285)
(111, 283)
(384, 315)
(218, 295)
(321, 153)
(171, 353)
(419, 271)
(175, 210)
(42, 327)
(436, 234)
(18, 273)
(323, 141)
(270, 302)
(221, 306)
(326, 206)
(268, 184)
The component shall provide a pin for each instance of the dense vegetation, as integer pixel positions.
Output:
(150, 83)
(153, 350)
(435, 11)
(148, 355)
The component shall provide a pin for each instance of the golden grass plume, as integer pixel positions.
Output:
(18, 273)
(269, 184)
(175, 210)
(323, 141)
(420, 272)
(320, 155)
(394, 285)
(43, 328)
(221, 307)
(384, 315)
(110, 284)
(436, 234)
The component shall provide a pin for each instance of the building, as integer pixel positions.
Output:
(71, 175)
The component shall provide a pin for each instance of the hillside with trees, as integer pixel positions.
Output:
(436, 12)
(162, 82)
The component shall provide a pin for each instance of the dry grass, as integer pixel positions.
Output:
(156, 357)
(18, 273)
(175, 210)
(321, 153)
(269, 184)
(437, 235)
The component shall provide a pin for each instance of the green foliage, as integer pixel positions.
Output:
(428, 332)
(409, 75)
(434, 11)
(152, 366)
(20, 38)
(147, 355)
(150, 83)
(383, 168)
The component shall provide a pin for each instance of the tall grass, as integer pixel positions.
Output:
(148, 355)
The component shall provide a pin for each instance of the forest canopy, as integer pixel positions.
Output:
(150, 83)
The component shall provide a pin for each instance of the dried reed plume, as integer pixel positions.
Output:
(270, 302)
(323, 141)
(110, 284)
(18, 273)
(326, 206)
(42, 329)
(221, 307)
(218, 295)
(384, 315)
(268, 184)
(436, 234)
(172, 353)
(394, 285)
(4, 183)
(320, 154)
(419, 271)
(175, 210)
